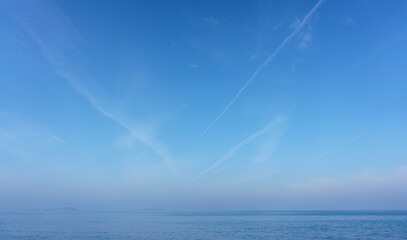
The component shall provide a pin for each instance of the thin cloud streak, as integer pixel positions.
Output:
(52, 46)
(264, 43)
(137, 132)
(262, 66)
(271, 126)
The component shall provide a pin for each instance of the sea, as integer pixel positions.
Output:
(161, 225)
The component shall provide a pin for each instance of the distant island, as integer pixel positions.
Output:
(62, 209)
(150, 210)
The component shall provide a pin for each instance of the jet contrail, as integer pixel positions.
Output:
(262, 66)
(267, 129)
(136, 131)
(39, 17)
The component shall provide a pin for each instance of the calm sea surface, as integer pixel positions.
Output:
(206, 225)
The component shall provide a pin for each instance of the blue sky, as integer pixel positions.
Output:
(198, 105)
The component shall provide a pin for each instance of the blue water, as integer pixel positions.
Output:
(206, 225)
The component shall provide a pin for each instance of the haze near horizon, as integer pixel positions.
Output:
(203, 105)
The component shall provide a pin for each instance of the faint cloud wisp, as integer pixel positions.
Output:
(56, 36)
(272, 126)
(264, 64)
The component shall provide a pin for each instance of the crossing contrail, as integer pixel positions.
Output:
(264, 64)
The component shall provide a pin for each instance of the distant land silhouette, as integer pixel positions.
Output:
(61, 209)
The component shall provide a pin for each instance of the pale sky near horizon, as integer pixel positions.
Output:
(203, 105)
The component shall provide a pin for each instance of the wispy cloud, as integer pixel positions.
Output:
(305, 39)
(349, 21)
(264, 64)
(367, 176)
(364, 190)
(141, 133)
(366, 183)
(256, 53)
(272, 126)
(264, 43)
(24, 141)
(211, 20)
(55, 35)
(341, 145)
